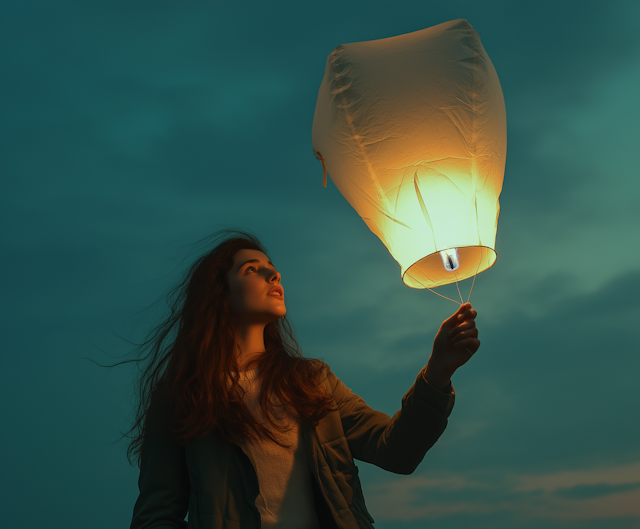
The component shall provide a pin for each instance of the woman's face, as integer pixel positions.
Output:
(255, 291)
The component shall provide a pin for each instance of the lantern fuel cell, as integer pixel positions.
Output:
(450, 259)
(412, 131)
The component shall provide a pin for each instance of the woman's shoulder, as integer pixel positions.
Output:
(330, 382)
(325, 378)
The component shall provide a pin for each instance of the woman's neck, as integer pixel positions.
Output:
(250, 344)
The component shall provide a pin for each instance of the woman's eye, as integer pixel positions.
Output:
(251, 268)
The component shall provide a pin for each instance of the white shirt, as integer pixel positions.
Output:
(286, 495)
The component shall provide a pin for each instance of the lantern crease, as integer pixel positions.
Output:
(385, 214)
(395, 210)
(456, 185)
(424, 209)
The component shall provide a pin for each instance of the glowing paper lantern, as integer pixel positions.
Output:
(412, 131)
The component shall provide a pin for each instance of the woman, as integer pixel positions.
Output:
(237, 428)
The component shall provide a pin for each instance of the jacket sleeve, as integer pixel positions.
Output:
(164, 479)
(399, 443)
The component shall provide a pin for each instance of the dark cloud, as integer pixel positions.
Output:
(594, 491)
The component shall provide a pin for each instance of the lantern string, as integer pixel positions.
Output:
(431, 290)
(436, 293)
(474, 275)
(445, 297)
(458, 287)
(472, 283)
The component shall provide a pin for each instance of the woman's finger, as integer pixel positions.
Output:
(470, 343)
(461, 327)
(469, 314)
(457, 316)
(471, 333)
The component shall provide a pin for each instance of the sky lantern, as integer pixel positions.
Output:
(412, 131)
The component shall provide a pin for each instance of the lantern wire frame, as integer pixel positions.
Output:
(457, 285)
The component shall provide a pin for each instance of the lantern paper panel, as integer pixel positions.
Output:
(412, 131)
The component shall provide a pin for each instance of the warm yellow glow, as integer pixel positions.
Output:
(412, 131)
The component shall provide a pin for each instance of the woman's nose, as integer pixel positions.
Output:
(275, 275)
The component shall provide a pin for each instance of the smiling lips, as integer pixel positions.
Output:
(276, 292)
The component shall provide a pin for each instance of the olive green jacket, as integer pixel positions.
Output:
(216, 483)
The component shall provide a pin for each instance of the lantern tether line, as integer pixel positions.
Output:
(474, 275)
(445, 297)
(436, 293)
(458, 287)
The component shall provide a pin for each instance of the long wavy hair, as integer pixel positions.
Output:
(189, 369)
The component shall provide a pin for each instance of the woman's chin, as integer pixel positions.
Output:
(277, 313)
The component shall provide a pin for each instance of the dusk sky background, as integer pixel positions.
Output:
(131, 130)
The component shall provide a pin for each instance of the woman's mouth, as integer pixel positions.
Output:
(276, 295)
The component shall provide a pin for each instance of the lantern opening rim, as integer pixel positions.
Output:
(431, 273)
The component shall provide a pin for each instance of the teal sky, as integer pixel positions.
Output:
(130, 130)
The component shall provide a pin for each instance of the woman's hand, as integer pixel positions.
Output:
(455, 342)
